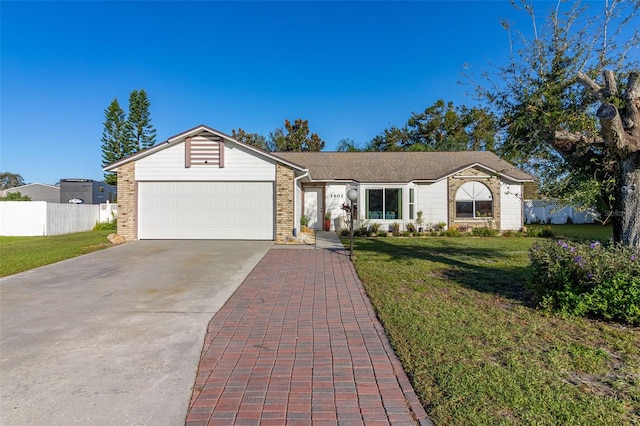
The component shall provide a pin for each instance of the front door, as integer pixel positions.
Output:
(313, 207)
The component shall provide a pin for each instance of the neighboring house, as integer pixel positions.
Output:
(86, 191)
(203, 184)
(37, 192)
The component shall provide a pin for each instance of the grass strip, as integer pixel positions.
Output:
(18, 254)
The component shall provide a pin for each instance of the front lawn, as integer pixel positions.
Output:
(477, 352)
(18, 254)
(589, 232)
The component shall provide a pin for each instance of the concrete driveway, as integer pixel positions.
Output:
(114, 337)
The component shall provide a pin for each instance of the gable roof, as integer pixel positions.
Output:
(181, 137)
(42, 185)
(399, 167)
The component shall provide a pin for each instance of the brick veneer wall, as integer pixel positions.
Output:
(492, 182)
(284, 203)
(127, 201)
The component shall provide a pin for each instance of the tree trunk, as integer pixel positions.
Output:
(626, 224)
(621, 134)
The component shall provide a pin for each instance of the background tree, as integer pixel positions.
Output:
(124, 134)
(10, 180)
(547, 117)
(441, 127)
(15, 196)
(143, 134)
(348, 145)
(116, 138)
(253, 139)
(295, 137)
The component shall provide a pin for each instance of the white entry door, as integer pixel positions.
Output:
(314, 207)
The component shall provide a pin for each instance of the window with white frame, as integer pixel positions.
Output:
(474, 199)
(412, 204)
(384, 203)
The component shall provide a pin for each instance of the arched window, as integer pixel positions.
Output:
(474, 199)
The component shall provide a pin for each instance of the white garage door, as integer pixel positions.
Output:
(206, 210)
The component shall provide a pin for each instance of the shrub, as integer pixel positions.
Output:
(510, 234)
(395, 229)
(364, 231)
(540, 232)
(583, 279)
(484, 232)
(382, 233)
(411, 227)
(451, 232)
(106, 226)
(406, 234)
(375, 227)
(416, 234)
(304, 220)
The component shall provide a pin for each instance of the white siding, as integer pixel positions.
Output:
(432, 200)
(336, 196)
(511, 211)
(240, 164)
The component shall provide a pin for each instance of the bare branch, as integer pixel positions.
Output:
(610, 84)
(574, 145)
(633, 86)
(564, 135)
(613, 131)
(591, 86)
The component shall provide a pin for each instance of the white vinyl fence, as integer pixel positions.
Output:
(40, 218)
(539, 211)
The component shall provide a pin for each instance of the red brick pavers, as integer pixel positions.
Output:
(297, 344)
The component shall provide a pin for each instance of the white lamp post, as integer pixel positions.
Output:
(352, 195)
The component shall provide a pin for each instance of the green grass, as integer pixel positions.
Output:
(584, 232)
(18, 254)
(478, 353)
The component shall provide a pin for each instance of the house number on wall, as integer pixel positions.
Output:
(337, 195)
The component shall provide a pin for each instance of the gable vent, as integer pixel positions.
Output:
(204, 151)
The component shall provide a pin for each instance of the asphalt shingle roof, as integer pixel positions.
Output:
(397, 167)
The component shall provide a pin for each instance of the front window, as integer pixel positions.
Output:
(474, 199)
(384, 203)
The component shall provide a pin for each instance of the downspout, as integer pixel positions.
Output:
(295, 185)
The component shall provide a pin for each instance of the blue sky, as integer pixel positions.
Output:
(351, 68)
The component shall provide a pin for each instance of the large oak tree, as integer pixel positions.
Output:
(578, 136)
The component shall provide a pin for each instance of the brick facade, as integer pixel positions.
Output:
(284, 203)
(127, 194)
(474, 175)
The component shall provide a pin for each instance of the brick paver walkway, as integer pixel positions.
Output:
(298, 344)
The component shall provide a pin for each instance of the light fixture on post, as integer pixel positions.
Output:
(352, 195)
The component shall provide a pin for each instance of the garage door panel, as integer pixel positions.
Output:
(206, 210)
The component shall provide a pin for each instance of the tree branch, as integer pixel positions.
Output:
(611, 87)
(633, 86)
(574, 145)
(613, 131)
(591, 86)
(631, 112)
(578, 138)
